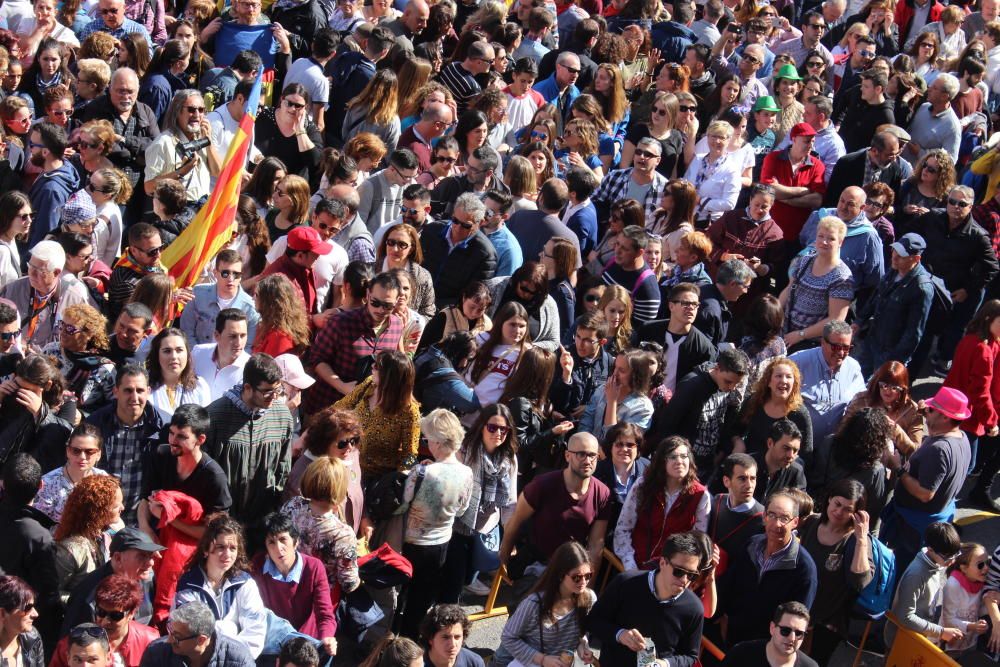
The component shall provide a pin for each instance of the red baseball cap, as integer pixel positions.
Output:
(308, 239)
(803, 130)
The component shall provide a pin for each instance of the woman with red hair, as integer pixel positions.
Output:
(889, 389)
(94, 505)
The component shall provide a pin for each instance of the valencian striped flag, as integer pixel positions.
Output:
(212, 227)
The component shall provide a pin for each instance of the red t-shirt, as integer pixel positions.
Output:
(558, 517)
(777, 168)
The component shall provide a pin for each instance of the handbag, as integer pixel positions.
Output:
(485, 551)
(357, 612)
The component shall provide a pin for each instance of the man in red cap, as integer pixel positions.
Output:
(927, 485)
(305, 245)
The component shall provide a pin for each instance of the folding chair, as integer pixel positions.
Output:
(490, 611)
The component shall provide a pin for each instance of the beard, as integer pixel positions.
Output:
(37, 159)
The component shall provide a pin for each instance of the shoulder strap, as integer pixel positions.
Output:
(647, 272)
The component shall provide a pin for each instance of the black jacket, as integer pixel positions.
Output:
(131, 150)
(539, 450)
(860, 121)
(714, 315)
(962, 257)
(473, 259)
(695, 349)
(850, 170)
(587, 376)
(448, 190)
(43, 436)
(682, 415)
(28, 551)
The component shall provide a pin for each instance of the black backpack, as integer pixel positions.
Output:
(385, 495)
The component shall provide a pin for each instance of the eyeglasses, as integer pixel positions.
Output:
(378, 304)
(981, 565)
(84, 224)
(350, 442)
(152, 252)
(195, 109)
(61, 112)
(463, 225)
(572, 70)
(687, 108)
(591, 298)
(527, 290)
(689, 305)
(19, 121)
(539, 135)
(580, 578)
(295, 105)
(815, 63)
(229, 273)
(645, 154)
(393, 243)
(875, 204)
(497, 428)
(113, 615)
(333, 229)
(627, 445)
(444, 158)
(890, 387)
(407, 210)
(682, 573)
(659, 111)
(8, 336)
(958, 203)
(751, 59)
(108, 11)
(87, 453)
(785, 631)
(781, 519)
(70, 329)
(679, 457)
(32, 144)
(172, 636)
(929, 45)
(271, 393)
(589, 456)
(818, 26)
(836, 347)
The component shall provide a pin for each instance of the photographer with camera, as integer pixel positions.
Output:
(184, 151)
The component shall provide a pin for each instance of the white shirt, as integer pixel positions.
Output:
(224, 128)
(201, 395)
(219, 380)
(60, 33)
(108, 233)
(10, 262)
(162, 157)
(14, 12)
(309, 73)
(328, 269)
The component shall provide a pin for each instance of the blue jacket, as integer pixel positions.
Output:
(441, 386)
(861, 250)
(48, 194)
(509, 255)
(584, 225)
(157, 91)
(549, 90)
(672, 39)
(198, 316)
(226, 653)
(898, 315)
(350, 72)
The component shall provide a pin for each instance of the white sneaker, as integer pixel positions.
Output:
(477, 587)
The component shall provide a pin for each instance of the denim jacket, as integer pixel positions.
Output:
(198, 317)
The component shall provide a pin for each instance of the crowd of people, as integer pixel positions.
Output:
(588, 298)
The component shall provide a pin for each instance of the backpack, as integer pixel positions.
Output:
(941, 305)
(385, 495)
(876, 598)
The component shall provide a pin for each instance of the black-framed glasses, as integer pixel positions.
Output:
(591, 298)
(692, 305)
(530, 291)
(271, 393)
(682, 573)
(350, 442)
(445, 159)
(229, 273)
(7, 336)
(818, 26)
(786, 630)
(589, 456)
(116, 616)
(379, 304)
(295, 105)
(815, 63)
(193, 110)
(690, 108)
(572, 70)
(172, 636)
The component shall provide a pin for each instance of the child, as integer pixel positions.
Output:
(963, 597)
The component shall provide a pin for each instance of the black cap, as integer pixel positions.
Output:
(132, 538)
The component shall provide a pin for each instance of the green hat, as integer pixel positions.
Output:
(766, 103)
(789, 72)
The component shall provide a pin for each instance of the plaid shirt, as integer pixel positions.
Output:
(124, 461)
(614, 187)
(347, 338)
(767, 563)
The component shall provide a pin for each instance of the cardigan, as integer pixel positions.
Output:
(304, 602)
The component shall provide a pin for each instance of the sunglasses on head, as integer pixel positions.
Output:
(497, 428)
(87, 630)
(350, 442)
(785, 631)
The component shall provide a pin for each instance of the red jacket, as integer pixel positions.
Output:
(904, 14)
(652, 528)
(179, 548)
(973, 372)
(138, 638)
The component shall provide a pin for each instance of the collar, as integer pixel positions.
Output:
(235, 394)
(943, 112)
(421, 138)
(743, 508)
(652, 588)
(787, 156)
(293, 576)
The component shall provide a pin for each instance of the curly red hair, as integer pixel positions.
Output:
(118, 593)
(89, 508)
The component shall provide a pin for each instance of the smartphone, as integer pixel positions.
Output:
(776, 21)
(735, 28)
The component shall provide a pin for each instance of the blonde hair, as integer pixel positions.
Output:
(833, 224)
(90, 320)
(624, 333)
(325, 480)
(520, 176)
(857, 29)
(442, 425)
(720, 127)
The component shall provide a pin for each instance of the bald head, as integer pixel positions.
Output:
(567, 69)
(346, 194)
(415, 16)
(435, 119)
(851, 202)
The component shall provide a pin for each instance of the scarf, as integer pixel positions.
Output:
(45, 85)
(708, 169)
(495, 483)
(39, 303)
(969, 586)
(127, 262)
(235, 395)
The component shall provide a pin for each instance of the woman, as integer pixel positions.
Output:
(170, 206)
(17, 118)
(624, 398)
(469, 314)
(762, 334)
(622, 466)
(849, 42)
(172, 380)
(529, 287)
(814, 65)
(82, 340)
(924, 51)
(45, 25)
(33, 426)
(285, 326)
(393, 651)
(489, 449)
(608, 89)
(716, 178)
(668, 499)
(470, 132)
(133, 51)
(218, 575)
(83, 451)
(95, 141)
(559, 257)
(94, 507)
(541, 128)
(199, 62)
(586, 107)
(492, 103)
(616, 306)
(728, 91)
(375, 110)
(856, 452)
(413, 322)
(661, 126)
(690, 257)
(948, 31)
(499, 352)
(318, 518)
(20, 643)
(786, 85)
(519, 176)
(59, 105)
(541, 158)
(440, 371)
(820, 288)
(388, 415)
(400, 249)
(889, 389)
(48, 69)
(110, 189)
(776, 395)
(674, 216)
(932, 180)
(838, 538)
(164, 77)
(624, 213)
(549, 623)
(251, 239)
(973, 372)
(15, 222)
(285, 132)
(412, 77)
(266, 178)
(962, 602)
(579, 148)
(444, 160)
(434, 496)
(291, 207)
(367, 151)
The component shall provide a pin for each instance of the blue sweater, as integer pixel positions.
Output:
(48, 194)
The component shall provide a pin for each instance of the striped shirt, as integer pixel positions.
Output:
(644, 290)
(461, 83)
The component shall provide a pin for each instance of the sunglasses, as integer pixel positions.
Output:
(195, 109)
(152, 252)
(659, 111)
(295, 105)
(61, 112)
(527, 290)
(981, 565)
(889, 387)
(818, 26)
(90, 630)
(785, 631)
(379, 304)
(86, 144)
(463, 225)
(109, 11)
(539, 135)
(839, 348)
(8, 336)
(76, 451)
(350, 442)
(444, 158)
(752, 60)
(645, 154)
(580, 578)
(591, 298)
(815, 63)
(958, 203)
(393, 243)
(70, 329)
(681, 573)
(113, 615)
(572, 70)
(324, 227)
(626, 445)
(497, 428)
(687, 108)
(228, 273)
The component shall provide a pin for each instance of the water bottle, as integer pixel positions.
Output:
(646, 656)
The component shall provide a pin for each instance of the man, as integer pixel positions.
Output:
(960, 252)
(658, 607)
(221, 363)
(777, 466)
(880, 162)
(861, 58)
(304, 247)
(862, 119)
(684, 347)
(88, 644)
(934, 123)
(736, 515)
(814, 26)
(752, 236)
(225, 121)
(630, 272)
(28, 550)
(572, 391)
(382, 193)
(133, 121)
(328, 218)
(774, 567)
(797, 178)
(414, 211)
(44, 295)
(534, 228)
(132, 556)
(349, 73)
(219, 85)
(199, 317)
(828, 145)
(184, 121)
(706, 29)
(112, 20)
(56, 182)
(834, 11)
(141, 257)
(192, 639)
(250, 436)
(746, 65)
(788, 628)
(893, 324)
(698, 59)
(582, 40)
(434, 121)
(10, 333)
(442, 633)
(129, 341)
(917, 603)
(460, 77)
(409, 26)
(345, 347)
(674, 36)
(975, 23)
(640, 182)
(481, 174)
(732, 280)
(912, 15)
(540, 25)
(580, 215)
(704, 399)
(927, 486)
(130, 426)
(567, 504)
(508, 249)
(560, 88)
(969, 99)
(181, 466)
(830, 379)
(861, 249)
(457, 252)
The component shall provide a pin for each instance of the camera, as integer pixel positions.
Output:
(187, 149)
(735, 28)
